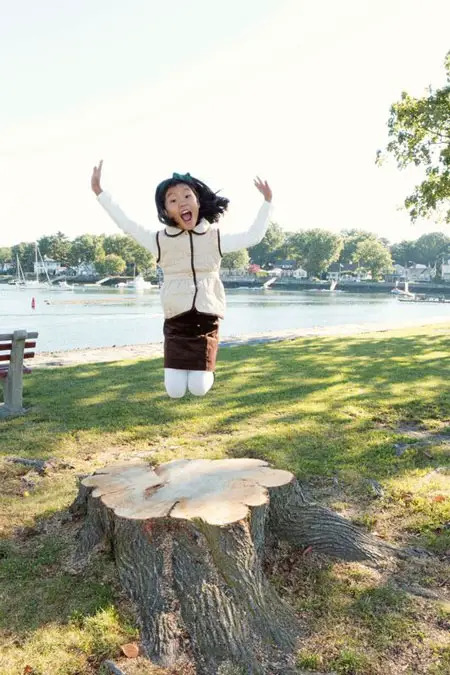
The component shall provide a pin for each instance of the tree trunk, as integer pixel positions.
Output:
(199, 586)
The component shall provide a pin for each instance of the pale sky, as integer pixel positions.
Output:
(296, 91)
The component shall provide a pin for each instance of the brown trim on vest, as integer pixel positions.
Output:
(174, 235)
(218, 243)
(193, 269)
(159, 247)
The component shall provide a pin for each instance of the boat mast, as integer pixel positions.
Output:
(36, 268)
(43, 265)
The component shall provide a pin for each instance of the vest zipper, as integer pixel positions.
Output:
(194, 276)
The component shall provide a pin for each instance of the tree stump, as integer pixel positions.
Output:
(189, 538)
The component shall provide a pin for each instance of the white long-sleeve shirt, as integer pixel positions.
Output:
(147, 238)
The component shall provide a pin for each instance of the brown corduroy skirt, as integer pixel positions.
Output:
(191, 341)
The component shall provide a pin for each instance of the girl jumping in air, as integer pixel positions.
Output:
(189, 251)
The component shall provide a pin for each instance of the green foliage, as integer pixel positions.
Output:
(236, 260)
(371, 255)
(351, 239)
(5, 254)
(432, 247)
(310, 660)
(56, 246)
(111, 264)
(87, 248)
(25, 251)
(136, 257)
(419, 129)
(350, 662)
(314, 250)
(404, 253)
(270, 250)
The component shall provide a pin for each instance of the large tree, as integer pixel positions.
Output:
(5, 254)
(419, 129)
(26, 252)
(270, 250)
(112, 264)
(314, 249)
(87, 248)
(137, 258)
(431, 248)
(56, 246)
(236, 260)
(373, 256)
(404, 252)
(351, 239)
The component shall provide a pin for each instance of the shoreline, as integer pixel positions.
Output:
(85, 355)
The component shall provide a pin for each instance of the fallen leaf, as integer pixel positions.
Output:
(27, 669)
(131, 650)
(439, 498)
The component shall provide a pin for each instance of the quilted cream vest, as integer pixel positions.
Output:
(190, 260)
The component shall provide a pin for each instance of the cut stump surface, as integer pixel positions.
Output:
(217, 491)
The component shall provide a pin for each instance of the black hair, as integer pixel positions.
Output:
(211, 206)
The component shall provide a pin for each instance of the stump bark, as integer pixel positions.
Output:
(189, 539)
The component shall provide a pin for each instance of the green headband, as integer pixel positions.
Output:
(184, 177)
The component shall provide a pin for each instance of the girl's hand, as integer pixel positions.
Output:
(96, 178)
(264, 188)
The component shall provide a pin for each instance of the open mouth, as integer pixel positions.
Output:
(186, 216)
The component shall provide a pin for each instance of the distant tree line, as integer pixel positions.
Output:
(112, 255)
(314, 250)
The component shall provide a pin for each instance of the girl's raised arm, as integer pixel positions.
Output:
(145, 237)
(254, 234)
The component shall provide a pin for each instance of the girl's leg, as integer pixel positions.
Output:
(200, 381)
(175, 381)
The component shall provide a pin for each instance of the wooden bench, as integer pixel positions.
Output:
(14, 349)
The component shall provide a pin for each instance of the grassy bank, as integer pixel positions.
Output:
(363, 421)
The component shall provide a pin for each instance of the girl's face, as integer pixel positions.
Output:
(182, 206)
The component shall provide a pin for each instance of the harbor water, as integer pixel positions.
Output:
(101, 317)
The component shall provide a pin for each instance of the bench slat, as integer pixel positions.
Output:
(6, 346)
(9, 336)
(4, 371)
(7, 357)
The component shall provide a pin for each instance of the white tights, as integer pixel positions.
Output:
(176, 381)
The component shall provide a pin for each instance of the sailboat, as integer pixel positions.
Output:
(138, 282)
(20, 276)
(22, 282)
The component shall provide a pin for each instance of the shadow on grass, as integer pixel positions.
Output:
(313, 406)
(35, 590)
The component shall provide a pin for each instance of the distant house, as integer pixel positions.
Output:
(287, 265)
(225, 272)
(298, 273)
(85, 269)
(343, 271)
(416, 272)
(288, 268)
(446, 271)
(52, 266)
(6, 267)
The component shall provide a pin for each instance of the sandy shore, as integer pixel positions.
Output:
(144, 351)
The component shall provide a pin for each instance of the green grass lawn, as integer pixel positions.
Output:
(340, 413)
